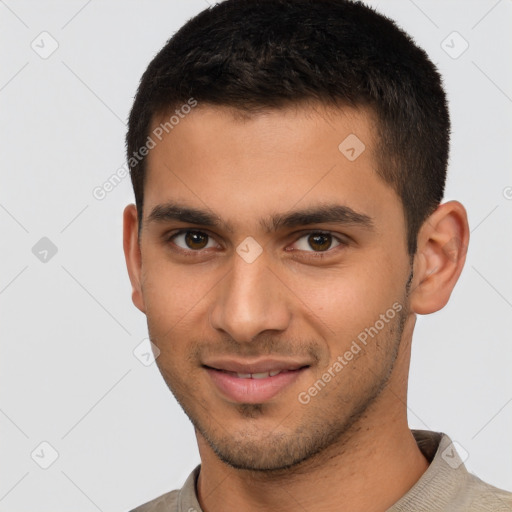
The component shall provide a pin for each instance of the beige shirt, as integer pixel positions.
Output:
(445, 486)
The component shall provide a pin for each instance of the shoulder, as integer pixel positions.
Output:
(481, 496)
(447, 484)
(166, 503)
(184, 499)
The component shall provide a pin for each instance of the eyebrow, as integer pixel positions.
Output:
(324, 213)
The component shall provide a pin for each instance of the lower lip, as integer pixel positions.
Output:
(252, 391)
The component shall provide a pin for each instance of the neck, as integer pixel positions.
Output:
(371, 468)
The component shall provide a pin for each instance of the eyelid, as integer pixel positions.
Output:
(168, 237)
(342, 240)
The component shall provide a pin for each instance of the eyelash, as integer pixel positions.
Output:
(307, 254)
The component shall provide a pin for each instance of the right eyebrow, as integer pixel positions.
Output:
(172, 211)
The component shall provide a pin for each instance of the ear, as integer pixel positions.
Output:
(132, 254)
(441, 253)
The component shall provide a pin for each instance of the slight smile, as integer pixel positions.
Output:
(256, 382)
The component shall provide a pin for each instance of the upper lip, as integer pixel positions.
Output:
(254, 366)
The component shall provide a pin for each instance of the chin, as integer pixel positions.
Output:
(263, 450)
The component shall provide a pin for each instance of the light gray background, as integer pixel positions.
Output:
(68, 328)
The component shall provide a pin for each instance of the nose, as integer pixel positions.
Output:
(250, 300)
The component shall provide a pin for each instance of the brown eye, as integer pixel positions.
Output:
(320, 241)
(192, 240)
(196, 239)
(317, 242)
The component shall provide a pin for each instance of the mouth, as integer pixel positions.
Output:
(253, 383)
(258, 375)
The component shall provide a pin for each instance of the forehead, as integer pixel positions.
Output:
(302, 124)
(244, 167)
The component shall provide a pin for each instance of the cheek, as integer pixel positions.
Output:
(345, 301)
(171, 294)
(177, 299)
(329, 292)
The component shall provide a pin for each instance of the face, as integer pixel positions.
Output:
(273, 273)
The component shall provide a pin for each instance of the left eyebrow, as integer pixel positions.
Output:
(331, 213)
(328, 213)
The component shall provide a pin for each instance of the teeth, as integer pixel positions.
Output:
(261, 375)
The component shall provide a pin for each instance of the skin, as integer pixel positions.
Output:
(349, 447)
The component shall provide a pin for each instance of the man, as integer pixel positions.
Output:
(288, 159)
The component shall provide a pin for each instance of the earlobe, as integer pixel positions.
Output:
(441, 253)
(132, 254)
